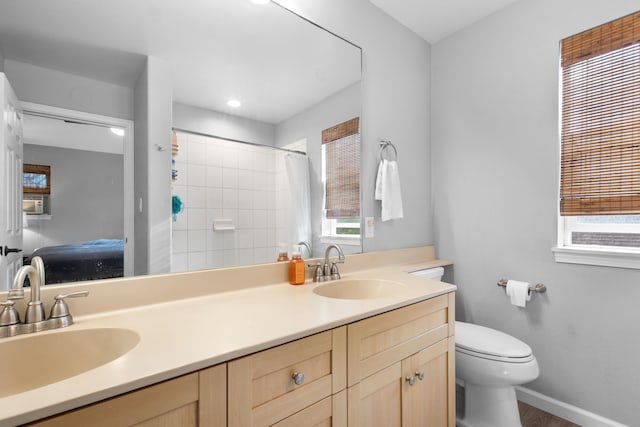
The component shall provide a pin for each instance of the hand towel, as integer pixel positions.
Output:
(388, 190)
(518, 292)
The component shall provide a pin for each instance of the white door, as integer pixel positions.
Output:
(10, 184)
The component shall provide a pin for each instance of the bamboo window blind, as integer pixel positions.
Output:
(342, 156)
(600, 137)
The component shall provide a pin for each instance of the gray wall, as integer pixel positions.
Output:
(395, 106)
(495, 183)
(213, 123)
(51, 87)
(86, 197)
(152, 175)
(338, 108)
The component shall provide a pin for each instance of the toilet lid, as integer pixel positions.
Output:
(487, 341)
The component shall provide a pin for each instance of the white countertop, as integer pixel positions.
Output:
(183, 336)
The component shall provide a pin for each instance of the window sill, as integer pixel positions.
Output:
(347, 241)
(603, 257)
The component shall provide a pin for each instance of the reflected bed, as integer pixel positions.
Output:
(93, 260)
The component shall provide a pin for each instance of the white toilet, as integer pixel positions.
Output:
(489, 364)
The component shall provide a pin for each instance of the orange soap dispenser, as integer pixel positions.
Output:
(296, 269)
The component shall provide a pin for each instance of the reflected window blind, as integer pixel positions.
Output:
(342, 156)
(600, 137)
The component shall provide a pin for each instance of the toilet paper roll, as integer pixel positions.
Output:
(518, 292)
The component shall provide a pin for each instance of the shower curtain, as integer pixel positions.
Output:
(297, 166)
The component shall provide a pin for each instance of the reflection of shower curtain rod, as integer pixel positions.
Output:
(237, 140)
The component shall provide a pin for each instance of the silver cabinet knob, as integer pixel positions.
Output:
(298, 378)
(420, 375)
(410, 379)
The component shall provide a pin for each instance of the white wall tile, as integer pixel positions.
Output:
(230, 178)
(245, 199)
(245, 179)
(196, 175)
(179, 242)
(197, 261)
(260, 238)
(196, 197)
(229, 198)
(196, 219)
(213, 198)
(245, 218)
(197, 241)
(179, 262)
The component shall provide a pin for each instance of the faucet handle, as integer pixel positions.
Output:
(60, 307)
(335, 273)
(318, 275)
(9, 315)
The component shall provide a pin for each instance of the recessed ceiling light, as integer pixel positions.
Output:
(118, 131)
(234, 103)
(261, 1)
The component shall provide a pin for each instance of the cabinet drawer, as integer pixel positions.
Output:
(329, 412)
(380, 341)
(174, 401)
(261, 386)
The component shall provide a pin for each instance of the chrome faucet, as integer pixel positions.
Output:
(328, 271)
(35, 272)
(34, 319)
(307, 246)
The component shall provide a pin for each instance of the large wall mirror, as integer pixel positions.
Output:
(248, 177)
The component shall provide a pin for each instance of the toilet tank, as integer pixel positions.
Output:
(430, 273)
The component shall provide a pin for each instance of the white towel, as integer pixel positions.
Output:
(388, 190)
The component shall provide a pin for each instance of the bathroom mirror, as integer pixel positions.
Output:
(294, 79)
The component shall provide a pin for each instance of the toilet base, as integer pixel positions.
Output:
(490, 407)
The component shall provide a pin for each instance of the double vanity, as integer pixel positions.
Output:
(242, 347)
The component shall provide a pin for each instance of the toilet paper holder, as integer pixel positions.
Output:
(540, 288)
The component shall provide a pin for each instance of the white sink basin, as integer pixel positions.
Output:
(359, 288)
(32, 361)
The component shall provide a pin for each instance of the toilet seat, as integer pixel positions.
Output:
(490, 344)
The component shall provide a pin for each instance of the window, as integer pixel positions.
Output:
(36, 188)
(600, 145)
(341, 180)
(36, 179)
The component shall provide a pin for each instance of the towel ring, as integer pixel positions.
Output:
(384, 144)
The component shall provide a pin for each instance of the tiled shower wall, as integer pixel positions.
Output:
(225, 180)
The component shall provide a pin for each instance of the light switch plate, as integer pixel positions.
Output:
(369, 227)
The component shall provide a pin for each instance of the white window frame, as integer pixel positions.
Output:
(608, 256)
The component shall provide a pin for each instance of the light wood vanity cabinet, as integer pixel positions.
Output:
(354, 375)
(197, 399)
(401, 367)
(263, 390)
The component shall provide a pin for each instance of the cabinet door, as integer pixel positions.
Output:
(387, 398)
(376, 401)
(261, 387)
(430, 400)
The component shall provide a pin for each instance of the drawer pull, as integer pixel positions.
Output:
(298, 378)
(420, 375)
(410, 379)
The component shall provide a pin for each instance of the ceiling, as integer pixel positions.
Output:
(203, 44)
(263, 55)
(434, 20)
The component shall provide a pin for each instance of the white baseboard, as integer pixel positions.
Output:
(564, 410)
